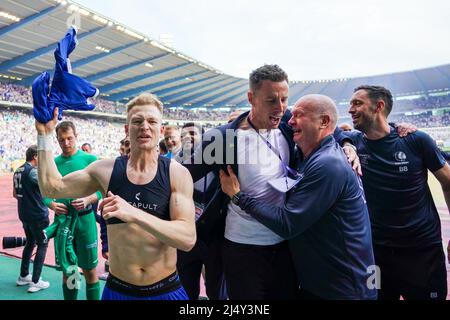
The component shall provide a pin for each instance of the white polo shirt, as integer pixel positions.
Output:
(257, 166)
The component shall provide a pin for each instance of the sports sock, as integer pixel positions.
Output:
(70, 294)
(93, 291)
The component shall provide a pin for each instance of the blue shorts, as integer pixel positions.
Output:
(169, 288)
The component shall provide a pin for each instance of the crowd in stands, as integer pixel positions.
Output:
(17, 128)
(105, 106)
(424, 120)
(430, 102)
(212, 115)
(14, 93)
(20, 94)
(17, 133)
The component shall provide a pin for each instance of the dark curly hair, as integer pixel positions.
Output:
(376, 93)
(270, 72)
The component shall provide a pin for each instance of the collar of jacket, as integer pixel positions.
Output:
(285, 129)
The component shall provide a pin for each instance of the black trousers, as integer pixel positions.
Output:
(34, 234)
(190, 264)
(255, 272)
(417, 273)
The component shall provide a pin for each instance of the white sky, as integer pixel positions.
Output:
(321, 39)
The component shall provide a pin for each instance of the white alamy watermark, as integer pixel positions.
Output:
(219, 148)
(374, 280)
(74, 280)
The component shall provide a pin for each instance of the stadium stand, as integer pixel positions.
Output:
(17, 123)
(17, 133)
(123, 62)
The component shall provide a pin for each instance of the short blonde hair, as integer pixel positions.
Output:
(145, 99)
(171, 127)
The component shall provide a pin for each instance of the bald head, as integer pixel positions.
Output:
(319, 105)
(313, 119)
(345, 127)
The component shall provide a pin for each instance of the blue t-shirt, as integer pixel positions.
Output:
(395, 174)
(326, 220)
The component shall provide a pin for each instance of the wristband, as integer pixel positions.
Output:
(44, 143)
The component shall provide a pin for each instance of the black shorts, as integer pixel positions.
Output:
(413, 273)
(255, 272)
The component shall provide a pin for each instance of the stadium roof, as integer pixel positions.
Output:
(123, 62)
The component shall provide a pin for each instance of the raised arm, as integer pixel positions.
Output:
(179, 232)
(52, 185)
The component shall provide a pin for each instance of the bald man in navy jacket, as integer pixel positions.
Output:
(257, 261)
(324, 216)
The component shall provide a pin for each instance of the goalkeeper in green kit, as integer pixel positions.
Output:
(74, 228)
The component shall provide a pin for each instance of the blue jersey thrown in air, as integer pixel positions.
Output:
(395, 174)
(326, 220)
(67, 91)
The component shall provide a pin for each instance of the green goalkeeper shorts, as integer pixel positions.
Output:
(86, 241)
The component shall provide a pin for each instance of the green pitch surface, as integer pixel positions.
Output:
(10, 268)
